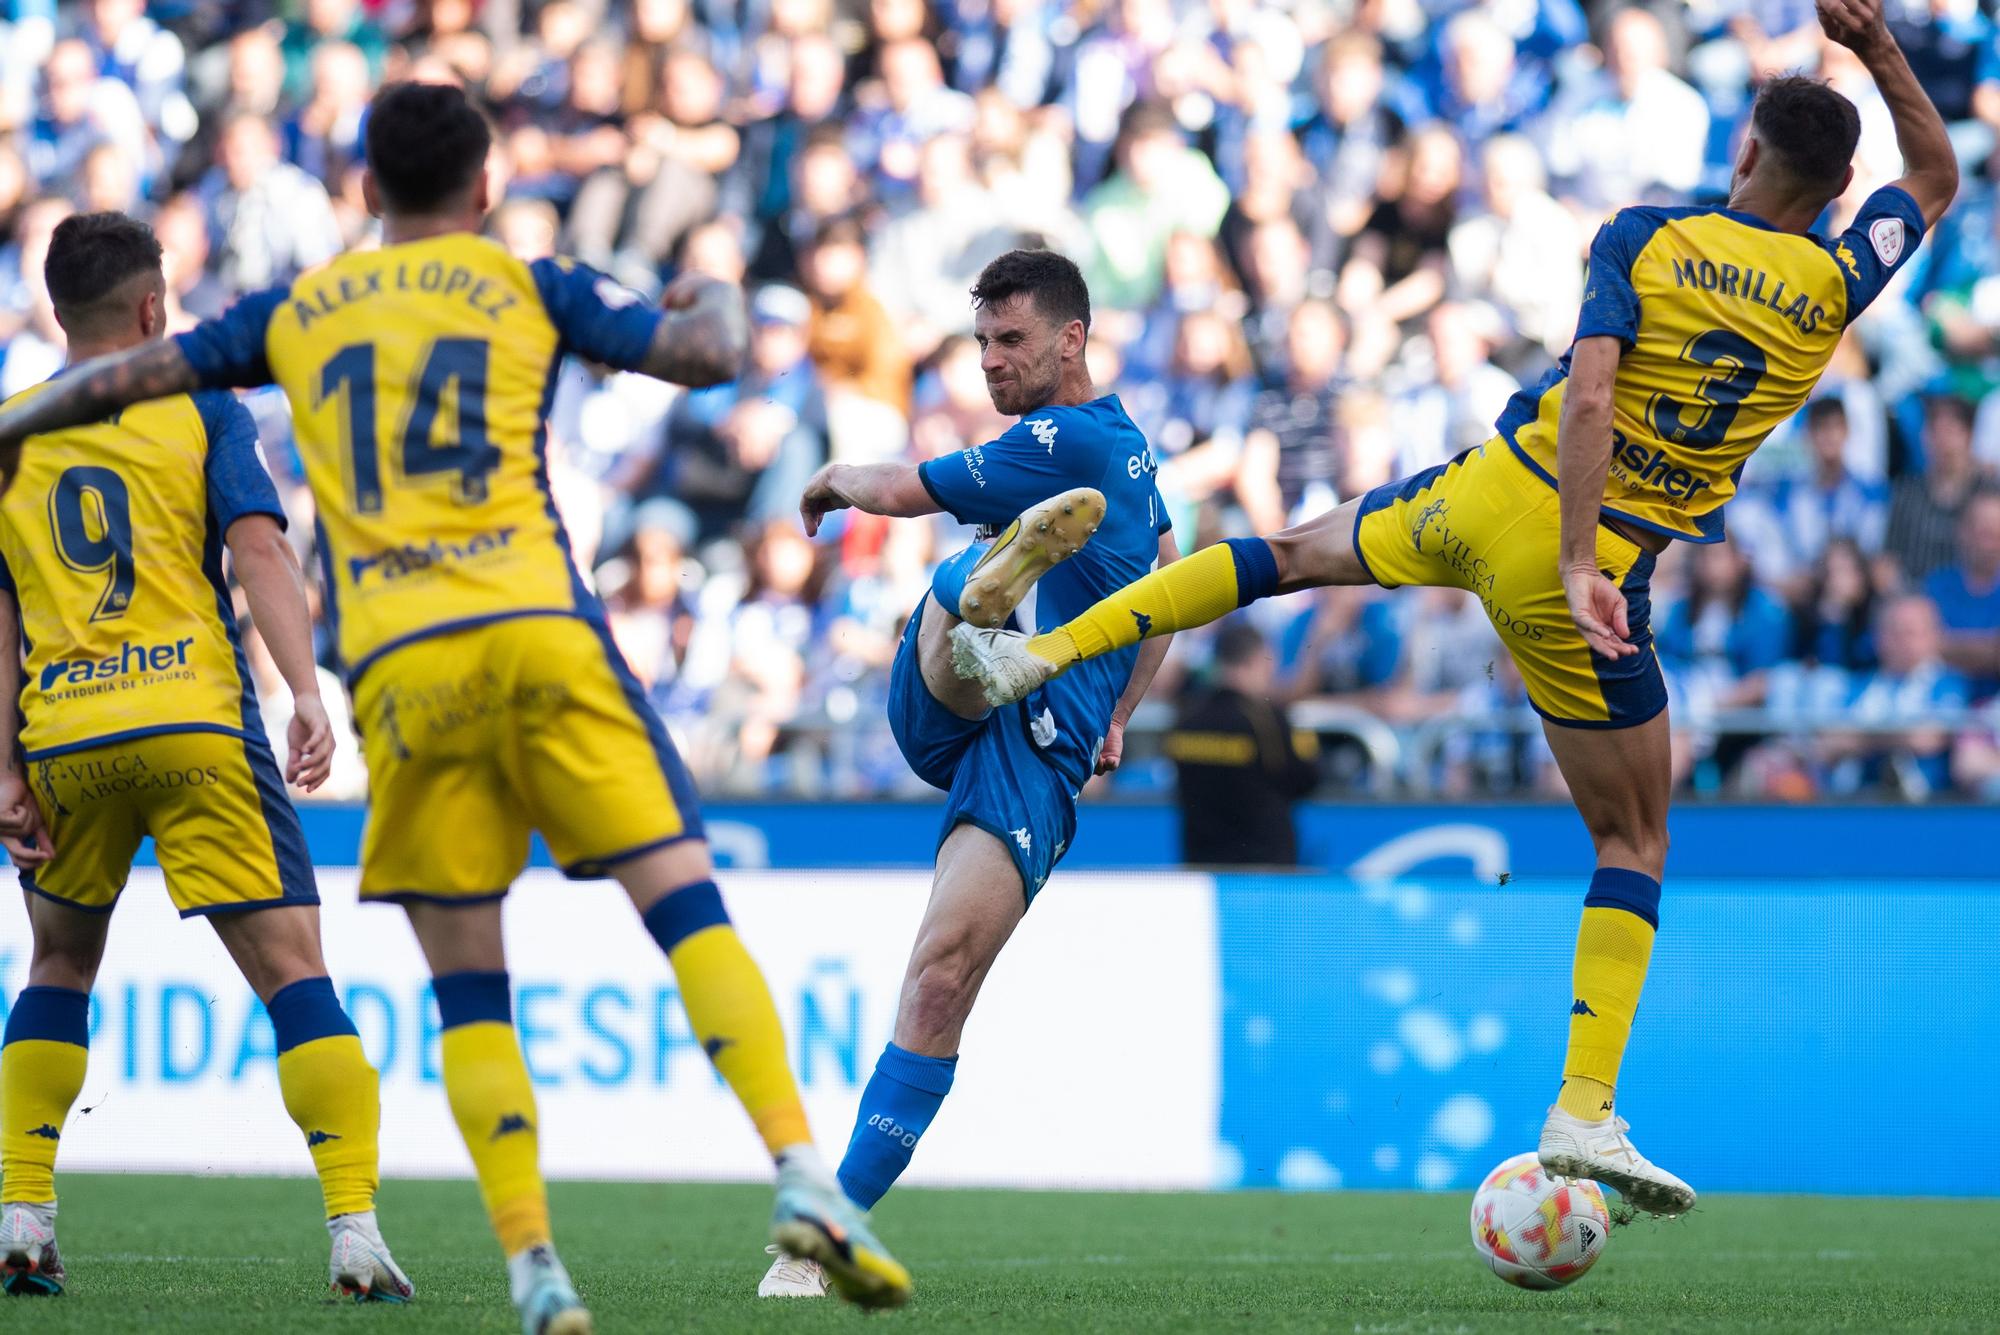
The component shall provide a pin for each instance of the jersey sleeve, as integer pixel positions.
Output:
(598, 319)
(1874, 249)
(228, 351)
(994, 482)
(238, 484)
(1610, 303)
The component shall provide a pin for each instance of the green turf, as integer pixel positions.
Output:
(219, 1254)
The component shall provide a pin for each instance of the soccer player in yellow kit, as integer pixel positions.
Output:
(1702, 329)
(490, 697)
(138, 717)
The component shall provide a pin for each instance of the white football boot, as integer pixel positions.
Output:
(1602, 1152)
(999, 660)
(544, 1296)
(30, 1266)
(792, 1277)
(361, 1267)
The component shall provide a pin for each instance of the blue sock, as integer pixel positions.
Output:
(897, 1106)
(948, 580)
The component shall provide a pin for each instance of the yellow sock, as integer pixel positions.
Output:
(39, 1080)
(494, 1104)
(730, 1009)
(334, 1095)
(1205, 587)
(729, 1005)
(1613, 948)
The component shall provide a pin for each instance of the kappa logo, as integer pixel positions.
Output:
(1582, 1007)
(1024, 839)
(1846, 257)
(317, 1138)
(46, 1132)
(1145, 622)
(511, 1124)
(1043, 729)
(1044, 430)
(714, 1046)
(1886, 235)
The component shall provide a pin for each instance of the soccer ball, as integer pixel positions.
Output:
(1535, 1229)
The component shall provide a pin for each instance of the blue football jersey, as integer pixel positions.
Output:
(1049, 451)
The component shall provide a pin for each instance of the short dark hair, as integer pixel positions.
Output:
(1811, 128)
(91, 256)
(426, 144)
(1827, 408)
(1053, 282)
(1956, 407)
(1237, 642)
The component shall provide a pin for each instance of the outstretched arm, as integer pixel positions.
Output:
(92, 392)
(1930, 167)
(1152, 653)
(895, 490)
(1583, 460)
(704, 335)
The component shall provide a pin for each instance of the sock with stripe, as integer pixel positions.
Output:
(897, 1106)
(493, 1102)
(331, 1091)
(1614, 945)
(42, 1058)
(1192, 592)
(730, 1009)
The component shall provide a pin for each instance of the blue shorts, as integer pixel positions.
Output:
(991, 767)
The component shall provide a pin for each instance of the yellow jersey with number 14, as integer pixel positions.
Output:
(1727, 325)
(419, 377)
(111, 543)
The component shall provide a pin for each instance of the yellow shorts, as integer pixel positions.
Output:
(477, 737)
(1486, 524)
(214, 803)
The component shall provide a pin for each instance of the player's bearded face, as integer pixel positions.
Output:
(1020, 354)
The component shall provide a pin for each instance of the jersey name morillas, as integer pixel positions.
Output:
(1727, 325)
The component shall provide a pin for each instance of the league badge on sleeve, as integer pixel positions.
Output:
(1886, 235)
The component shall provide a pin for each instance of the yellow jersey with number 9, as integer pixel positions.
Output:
(419, 377)
(1727, 324)
(112, 543)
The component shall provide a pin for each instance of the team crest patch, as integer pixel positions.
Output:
(1886, 235)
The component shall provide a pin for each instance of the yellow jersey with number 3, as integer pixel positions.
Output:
(419, 377)
(111, 543)
(1727, 324)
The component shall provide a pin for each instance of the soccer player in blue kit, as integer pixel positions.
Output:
(1070, 491)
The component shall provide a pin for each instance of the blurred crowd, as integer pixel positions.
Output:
(1326, 240)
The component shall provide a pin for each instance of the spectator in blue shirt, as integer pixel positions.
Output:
(1799, 516)
(1727, 632)
(1967, 594)
(1912, 685)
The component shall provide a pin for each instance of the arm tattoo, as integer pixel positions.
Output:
(702, 344)
(99, 388)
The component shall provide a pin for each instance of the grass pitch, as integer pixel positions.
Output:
(219, 1254)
